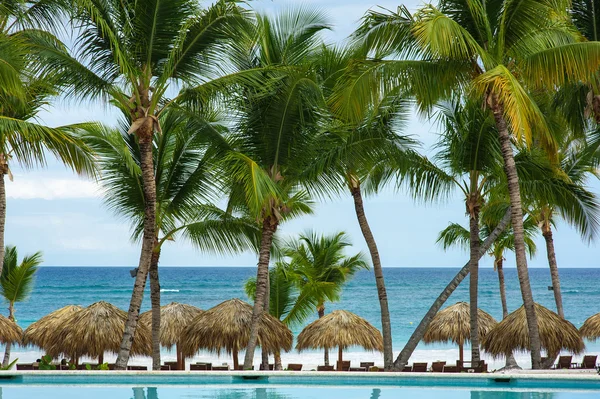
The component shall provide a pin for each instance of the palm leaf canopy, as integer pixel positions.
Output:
(341, 329)
(591, 328)
(454, 324)
(227, 327)
(16, 281)
(10, 332)
(282, 291)
(46, 333)
(511, 334)
(174, 318)
(98, 329)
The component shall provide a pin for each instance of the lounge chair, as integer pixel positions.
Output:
(357, 369)
(589, 362)
(419, 367)
(324, 368)
(25, 366)
(172, 365)
(367, 365)
(407, 369)
(201, 366)
(437, 367)
(451, 369)
(294, 367)
(219, 368)
(344, 365)
(165, 367)
(137, 368)
(241, 368)
(271, 367)
(564, 362)
(476, 367)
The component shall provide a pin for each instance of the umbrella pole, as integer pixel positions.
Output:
(460, 352)
(340, 358)
(180, 366)
(101, 358)
(235, 359)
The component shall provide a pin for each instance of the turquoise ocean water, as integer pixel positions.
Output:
(411, 291)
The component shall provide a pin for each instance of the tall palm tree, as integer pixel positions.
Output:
(131, 53)
(500, 52)
(320, 269)
(186, 186)
(26, 86)
(273, 131)
(16, 283)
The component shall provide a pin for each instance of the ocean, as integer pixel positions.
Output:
(410, 290)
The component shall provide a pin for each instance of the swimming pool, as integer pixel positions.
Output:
(131, 385)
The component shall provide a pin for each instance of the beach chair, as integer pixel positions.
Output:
(564, 362)
(419, 367)
(367, 365)
(137, 368)
(357, 369)
(294, 367)
(588, 362)
(344, 365)
(172, 365)
(271, 367)
(407, 369)
(219, 368)
(450, 369)
(25, 366)
(201, 366)
(241, 368)
(324, 368)
(437, 367)
(165, 367)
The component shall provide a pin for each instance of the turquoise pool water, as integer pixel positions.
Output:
(291, 387)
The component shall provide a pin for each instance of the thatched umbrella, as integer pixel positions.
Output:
(227, 326)
(99, 328)
(342, 329)
(10, 332)
(47, 332)
(174, 318)
(512, 333)
(591, 328)
(454, 324)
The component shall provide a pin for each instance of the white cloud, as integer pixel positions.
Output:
(51, 188)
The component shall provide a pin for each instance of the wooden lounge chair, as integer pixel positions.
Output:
(450, 369)
(271, 367)
(137, 368)
(344, 365)
(294, 367)
(357, 369)
(419, 367)
(367, 365)
(437, 367)
(201, 366)
(25, 366)
(407, 369)
(589, 362)
(172, 365)
(564, 362)
(165, 367)
(220, 368)
(324, 368)
(241, 368)
(472, 367)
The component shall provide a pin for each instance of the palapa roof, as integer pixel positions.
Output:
(10, 332)
(340, 328)
(99, 328)
(454, 324)
(46, 332)
(227, 327)
(512, 334)
(174, 317)
(591, 328)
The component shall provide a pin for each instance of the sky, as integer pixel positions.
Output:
(54, 211)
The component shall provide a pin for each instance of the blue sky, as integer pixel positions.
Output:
(62, 215)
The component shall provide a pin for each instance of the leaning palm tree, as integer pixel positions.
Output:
(501, 53)
(131, 53)
(186, 188)
(273, 131)
(16, 283)
(320, 269)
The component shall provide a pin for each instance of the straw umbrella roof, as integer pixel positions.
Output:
(454, 324)
(591, 328)
(174, 317)
(342, 329)
(46, 332)
(9, 331)
(227, 326)
(99, 328)
(512, 333)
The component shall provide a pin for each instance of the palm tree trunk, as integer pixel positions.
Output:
(474, 280)
(269, 228)
(510, 170)
(547, 233)
(321, 313)
(264, 352)
(11, 316)
(236, 361)
(386, 325)
(149, 189)
(278, 364)
(155, 299)
(499, 268)
(417, 335)
(3, 171)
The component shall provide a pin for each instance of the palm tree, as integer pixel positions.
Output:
(282, 296)
(25, 88)
(186, 186)
(320, 269)
(131, 53)
(273, 131)
(501, 53)
(16, 283)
